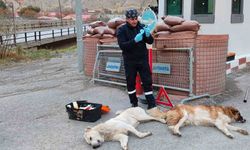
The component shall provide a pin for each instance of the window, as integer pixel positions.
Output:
(203, 7)
(174, 7)
(237, 11)
(203, 11)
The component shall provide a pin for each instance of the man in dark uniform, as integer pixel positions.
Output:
(132, 38)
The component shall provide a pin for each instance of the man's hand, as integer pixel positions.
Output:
(147, 31)
(139, 36)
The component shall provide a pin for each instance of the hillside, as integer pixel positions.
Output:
(114, 5)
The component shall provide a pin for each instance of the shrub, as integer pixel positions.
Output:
(2, 5)
(29, 12)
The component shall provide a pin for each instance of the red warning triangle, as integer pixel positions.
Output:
(162, 92)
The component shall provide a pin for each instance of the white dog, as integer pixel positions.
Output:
(116, 129)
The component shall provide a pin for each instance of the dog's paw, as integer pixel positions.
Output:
(125, 147)
(147, 133)
(163, 121)
(171, 128)
(244, 132)
(230, 136)
(144, 134)
(177, 134)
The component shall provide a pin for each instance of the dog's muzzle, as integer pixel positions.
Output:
(96, 146)
(242, 121)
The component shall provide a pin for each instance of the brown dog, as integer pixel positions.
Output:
(217, 116)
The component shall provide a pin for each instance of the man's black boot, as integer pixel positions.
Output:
(133, 100)
(151, 101)
(151, 106)
(134, 104)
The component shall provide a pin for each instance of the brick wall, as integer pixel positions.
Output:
(90, 51)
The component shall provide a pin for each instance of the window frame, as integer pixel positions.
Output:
(203, 18)
(237, 18)
(165, 9)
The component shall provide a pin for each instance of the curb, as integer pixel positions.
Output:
(237, 64)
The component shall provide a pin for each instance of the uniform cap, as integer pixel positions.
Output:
(131, 13)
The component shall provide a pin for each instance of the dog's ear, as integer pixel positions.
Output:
(87, 129)
(233, 110)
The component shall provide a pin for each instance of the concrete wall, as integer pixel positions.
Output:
(239, 33)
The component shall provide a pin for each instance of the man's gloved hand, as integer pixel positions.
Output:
(139, 36)
(151, 26)
(147, 31)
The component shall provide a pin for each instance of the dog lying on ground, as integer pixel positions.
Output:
(217, 116)
(116, 129)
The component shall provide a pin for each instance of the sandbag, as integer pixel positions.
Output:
(108, 30)
(96, 36)
(184, 34)
(99, 30)
(172, 20)
(186, 26)
(87, 35)
(90, 30)
(161, 27)
(107, 36)
(113, 23)
(120, 26)
(97, 24)
(161, 34)
(104, 30)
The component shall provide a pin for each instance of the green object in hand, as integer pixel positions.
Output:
(139, 36)
(147, 31)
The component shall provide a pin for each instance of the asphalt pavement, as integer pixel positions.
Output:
(32, 106)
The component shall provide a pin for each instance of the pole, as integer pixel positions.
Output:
(79, 22)
(60, 7)
(14, 21)
(246, 95)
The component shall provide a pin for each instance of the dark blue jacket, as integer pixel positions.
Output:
(131, 50)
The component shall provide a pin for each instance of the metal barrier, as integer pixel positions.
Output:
(38, 35)
(172, 67)
(35, 36)
(24, 25)
(109, 66)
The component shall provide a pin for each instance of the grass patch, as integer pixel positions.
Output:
(22, 55)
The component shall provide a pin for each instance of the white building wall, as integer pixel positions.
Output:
(239, 33)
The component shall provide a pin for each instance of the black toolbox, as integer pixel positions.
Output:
(81, 114)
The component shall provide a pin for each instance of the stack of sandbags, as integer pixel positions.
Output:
(175, 26)
(98, 33)
(115, 23)
(99, 29)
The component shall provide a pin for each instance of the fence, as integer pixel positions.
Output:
(37, 24)
(36, 36)
(108, 65)
(172, 67)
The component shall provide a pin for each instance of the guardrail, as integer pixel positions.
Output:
(38, 35)
(35, 24)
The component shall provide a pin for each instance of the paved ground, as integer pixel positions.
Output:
(33, 117)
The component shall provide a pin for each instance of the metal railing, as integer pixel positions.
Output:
(36, 24)
(25, 37)
(38, 35)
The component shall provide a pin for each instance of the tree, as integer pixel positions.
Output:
(29, 11)
(2, 5)
(6, 28)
